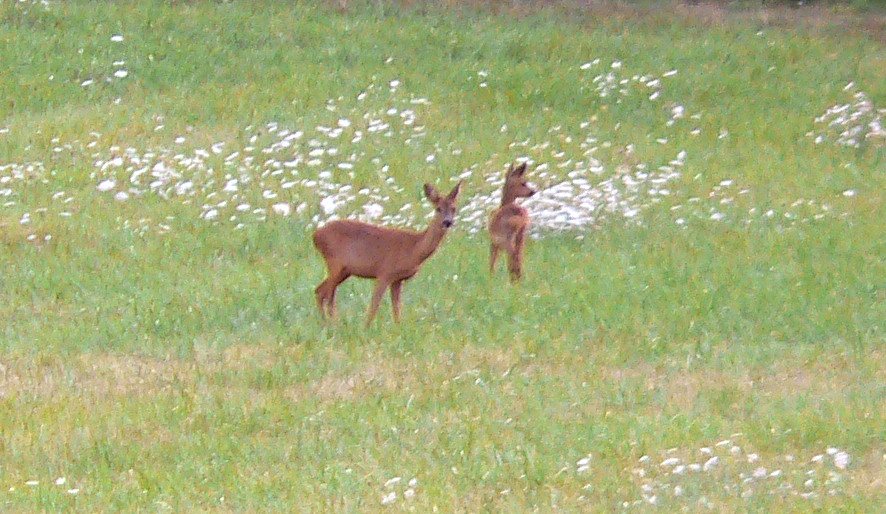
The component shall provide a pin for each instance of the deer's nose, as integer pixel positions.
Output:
(447, 223)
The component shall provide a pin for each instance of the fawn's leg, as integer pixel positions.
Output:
(395, 298)
(493, 257)
(515, 264)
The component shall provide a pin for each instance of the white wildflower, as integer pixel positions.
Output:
(329, 205)
(283, 209)
(389, 498)
(841, 459)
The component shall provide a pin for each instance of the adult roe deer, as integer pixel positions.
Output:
(386, 254)
(507, 228)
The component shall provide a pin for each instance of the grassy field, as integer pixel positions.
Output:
(701, 323)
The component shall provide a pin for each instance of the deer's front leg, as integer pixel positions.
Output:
(395, 298)
(380, 286)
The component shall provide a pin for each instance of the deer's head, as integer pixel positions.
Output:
(446, 206)
(515, 183)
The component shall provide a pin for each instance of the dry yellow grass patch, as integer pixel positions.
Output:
(831, 375)
(379, 376)
(785, 378)
(383, 375)
(496, 361)
(869, 473)
(92, 374)
(240, 356)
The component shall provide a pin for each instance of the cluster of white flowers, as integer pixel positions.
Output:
(854, 123)
(736, 470)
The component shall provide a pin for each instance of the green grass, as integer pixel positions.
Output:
(158, 360)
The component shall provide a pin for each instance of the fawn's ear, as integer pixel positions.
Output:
(510, 170)
(431, 193)
(521, 169)
(453, 195)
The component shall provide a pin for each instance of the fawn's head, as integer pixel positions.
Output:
(446, 206)
(515, 184)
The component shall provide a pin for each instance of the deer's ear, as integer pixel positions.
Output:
(431, 193)
(521, 169)
(453, 195)
(510, 169)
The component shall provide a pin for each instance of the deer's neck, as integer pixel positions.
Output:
(429, 241)
(508, 196)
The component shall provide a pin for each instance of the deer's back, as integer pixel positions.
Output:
(509, 218)
(362, 249)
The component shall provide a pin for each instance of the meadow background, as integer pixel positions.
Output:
(700, 325)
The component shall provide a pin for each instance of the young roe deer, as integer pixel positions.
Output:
(386, 254)
(507, 228)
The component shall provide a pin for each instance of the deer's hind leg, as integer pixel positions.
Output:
(493, 256)
(515, 261)
(320, 296)
(325, 292)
